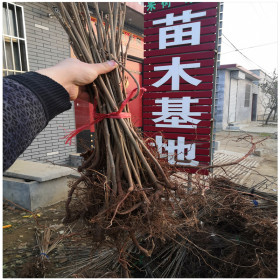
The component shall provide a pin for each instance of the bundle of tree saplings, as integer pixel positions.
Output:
(124, 194)
(123, 188)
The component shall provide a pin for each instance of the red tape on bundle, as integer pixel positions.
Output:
(98, 117)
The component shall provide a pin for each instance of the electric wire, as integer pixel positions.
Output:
(252, 47)
(244, 54)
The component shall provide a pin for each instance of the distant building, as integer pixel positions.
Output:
(239, 98)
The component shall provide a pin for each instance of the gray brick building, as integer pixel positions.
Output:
(46, 44)
(33, 39)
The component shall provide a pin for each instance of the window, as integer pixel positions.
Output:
(247, 96)
(15, 59)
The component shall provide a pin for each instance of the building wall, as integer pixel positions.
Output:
(47, 44)
(222, 111)
(237, 111)
(262, 110)
(231, 100)
(227, 84)
(243, 114)
(219, 100)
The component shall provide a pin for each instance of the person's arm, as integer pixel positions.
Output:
(32, 99)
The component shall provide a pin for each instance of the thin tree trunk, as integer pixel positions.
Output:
(266, 122)
(275, 111)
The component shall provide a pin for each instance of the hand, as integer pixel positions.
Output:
(73, 75)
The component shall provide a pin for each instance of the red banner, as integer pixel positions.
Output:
(179, 60)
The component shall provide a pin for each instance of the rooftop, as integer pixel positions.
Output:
(233, 67)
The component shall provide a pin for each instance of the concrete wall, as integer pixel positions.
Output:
(262, 99)
(47, 44)
(227, 85)
(243, 114)
(219, 101)
(232, 103)
(222, 111)
(231, 100)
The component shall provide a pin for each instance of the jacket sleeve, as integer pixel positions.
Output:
(30, 101)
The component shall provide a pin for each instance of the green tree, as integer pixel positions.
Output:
(270, 88)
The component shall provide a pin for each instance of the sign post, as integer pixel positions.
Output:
(179, 66)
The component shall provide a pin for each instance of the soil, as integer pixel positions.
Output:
(267, 162)
(19, 241)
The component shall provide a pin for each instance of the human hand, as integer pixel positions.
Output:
(74, 75)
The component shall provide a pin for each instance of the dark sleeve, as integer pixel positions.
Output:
(30, 101)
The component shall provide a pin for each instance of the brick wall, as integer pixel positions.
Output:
(47, 44)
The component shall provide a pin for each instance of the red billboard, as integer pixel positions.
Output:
(179, 66)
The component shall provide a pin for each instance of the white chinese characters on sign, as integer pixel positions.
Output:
(185, 152)
(174, 36)
(175, 71)
(176, 113)
(177, 33)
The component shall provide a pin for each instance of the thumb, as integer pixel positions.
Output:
(105, 67)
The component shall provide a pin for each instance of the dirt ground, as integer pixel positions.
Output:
(19, 241)
(264, 175)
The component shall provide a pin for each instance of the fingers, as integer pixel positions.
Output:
(78, 92)
(105, 67)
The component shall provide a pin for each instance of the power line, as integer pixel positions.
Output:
(224, 42)
(244, 54)
(272, 43)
